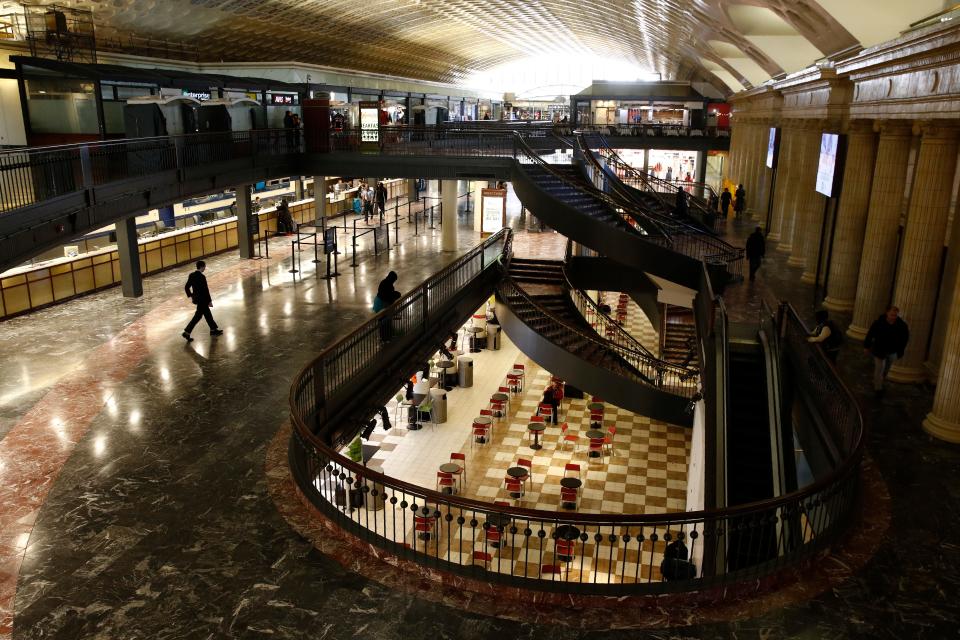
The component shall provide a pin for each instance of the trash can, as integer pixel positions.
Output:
(493, 337)
(465, 369)
(439, 398)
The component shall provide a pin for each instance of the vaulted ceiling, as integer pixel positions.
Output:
(733, 44)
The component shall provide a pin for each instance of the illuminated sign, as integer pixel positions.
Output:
(197, 95)
(493, 210)
(369, 121)
(772, 147)
(826, 168)
(283, 99)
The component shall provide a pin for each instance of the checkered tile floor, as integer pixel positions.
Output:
(646, 473)
(637, 324)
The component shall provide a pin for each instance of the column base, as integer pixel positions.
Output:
(942, 429)
(807, 277)
(785, 248)
(795, 261)
(933, 371)
(907, 374)
(855, 332)
(773, 237)
(838, 304)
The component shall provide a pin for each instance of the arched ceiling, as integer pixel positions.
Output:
(732, 44)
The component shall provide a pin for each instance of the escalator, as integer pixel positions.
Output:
(752, 456)
(537, 313)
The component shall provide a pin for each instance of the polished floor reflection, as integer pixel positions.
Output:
(135, 502)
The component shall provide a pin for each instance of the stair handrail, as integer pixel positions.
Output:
(708, 246)
(630, 221)
(652, 370)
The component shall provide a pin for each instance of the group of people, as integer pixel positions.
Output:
(722, 202)
(369, 201)
(291, 123)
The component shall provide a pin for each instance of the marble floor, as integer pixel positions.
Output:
(136, 504)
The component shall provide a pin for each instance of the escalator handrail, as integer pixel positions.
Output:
(638, 360)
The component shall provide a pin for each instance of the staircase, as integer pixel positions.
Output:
(538, 314)
(679, 337)
(567, 184)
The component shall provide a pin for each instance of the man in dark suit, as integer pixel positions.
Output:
(197, 291)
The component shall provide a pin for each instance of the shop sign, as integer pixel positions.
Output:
(197, 95)
(369, 121)
(283, 99)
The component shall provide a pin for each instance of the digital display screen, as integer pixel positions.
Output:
(772, 147)
(493, 206)
(369, 122)
(283, 99)
(828, 163)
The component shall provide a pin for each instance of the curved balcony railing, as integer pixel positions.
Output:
(611, 553)
(652, 130)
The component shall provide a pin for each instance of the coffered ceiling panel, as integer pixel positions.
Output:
(729, 43)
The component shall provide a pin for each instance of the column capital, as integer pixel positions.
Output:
(860, 128)
(937, 131)
(894, 128)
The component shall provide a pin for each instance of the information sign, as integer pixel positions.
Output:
(493, 210)
(330, 240)
(369, 121)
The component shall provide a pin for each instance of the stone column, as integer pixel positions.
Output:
(944, 420)
(736, 138)
(746, 166)
(131, 280)
(918, 273)
(851, 216)
(448, 229)
(321, 187)
(781, 189)
(758, 196)
(879, 247)
(804, 157)
(244, 228)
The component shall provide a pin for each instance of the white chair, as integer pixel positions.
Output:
(401, 403)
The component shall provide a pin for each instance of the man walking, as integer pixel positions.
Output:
(886, 341)
(381, 196)
(756, 249)
(741, 202)
(197, 291)
(725, 198)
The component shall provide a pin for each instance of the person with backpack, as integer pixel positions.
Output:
(828, 335)
(675, 565)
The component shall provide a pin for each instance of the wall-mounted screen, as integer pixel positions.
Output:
(772, 143)
(493, 207)
(369, 121)
(827, 166)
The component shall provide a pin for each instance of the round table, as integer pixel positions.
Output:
(486, 420)
(519, 372)
(595, 434)
(427, 512)
(570, 483)
(444, 365)
(519, 473)
(452, 468)
(595, 406)
(498, 520)
(536, 428)
(566, 532)
(500, 397)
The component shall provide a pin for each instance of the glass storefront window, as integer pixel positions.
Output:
(62, 105)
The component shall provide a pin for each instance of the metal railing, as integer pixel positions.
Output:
(683, 238)
(649, 129)
(644, 366)
(32, 175)
(315, 392)
(572, 551)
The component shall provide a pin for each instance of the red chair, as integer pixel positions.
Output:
(498, 408)
(571, 466)
(551, 570)
(445, 480)
(423, 527)
(502, 503)
(523, 373)
(514, 382)
(596, 444)
(568, 437)
(526, 464)
(513, 485)
(546, 411)
(460, 459)
(481, 434)
(568, 496)
(492, 537)
(565, 550)
(483, 557)
(536, 419)
(596, 416)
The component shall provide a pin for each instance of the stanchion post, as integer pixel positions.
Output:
(316, 255)
(294, 254)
